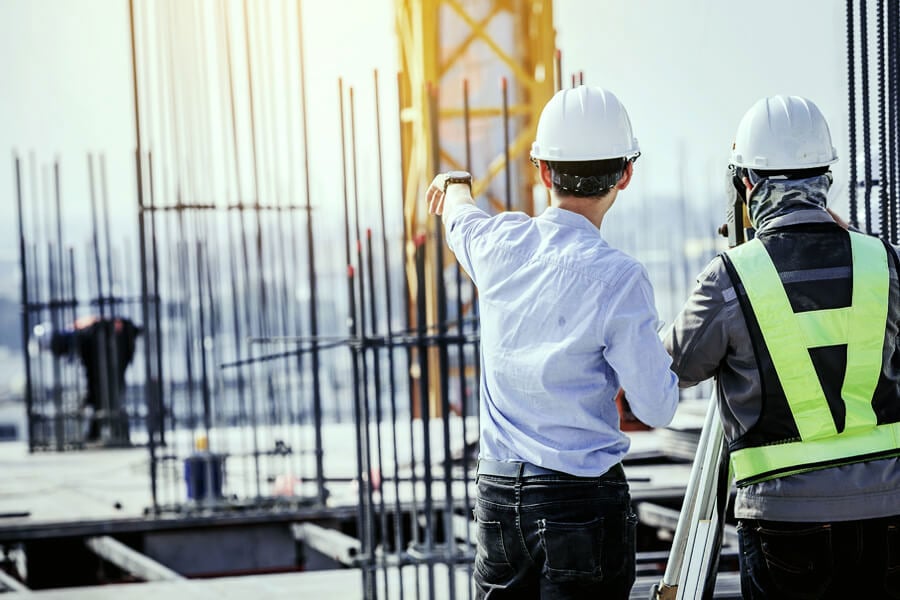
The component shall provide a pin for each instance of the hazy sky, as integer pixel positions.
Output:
(686, 71)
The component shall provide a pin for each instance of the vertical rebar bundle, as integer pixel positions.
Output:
(79, 318)
(873, 45)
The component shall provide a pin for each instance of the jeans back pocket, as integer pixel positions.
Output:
(799, 560)
(573, 550)
(492, 565)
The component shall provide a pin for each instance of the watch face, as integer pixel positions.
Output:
(459, 176)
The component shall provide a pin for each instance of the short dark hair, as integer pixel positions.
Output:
(586, 178)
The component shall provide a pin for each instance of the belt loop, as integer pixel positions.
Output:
(520, 471)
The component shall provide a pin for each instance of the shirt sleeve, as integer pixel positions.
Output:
(461, 226)
(634, 351)
(698, 339)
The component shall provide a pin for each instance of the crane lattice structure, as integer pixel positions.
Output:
(473, 79)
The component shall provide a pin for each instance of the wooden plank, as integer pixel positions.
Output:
(130, 560)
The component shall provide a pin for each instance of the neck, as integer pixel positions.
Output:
(593, 209)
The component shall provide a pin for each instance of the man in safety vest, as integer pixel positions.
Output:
(566, 320)
(800, 328)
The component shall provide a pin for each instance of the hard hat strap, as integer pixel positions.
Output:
(580, 185)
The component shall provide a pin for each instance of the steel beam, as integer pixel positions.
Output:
(330, 542)
(7, 582)
(130, 560)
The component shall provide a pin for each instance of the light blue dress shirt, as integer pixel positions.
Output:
(565, 321)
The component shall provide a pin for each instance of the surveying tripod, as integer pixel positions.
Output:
(694, 557)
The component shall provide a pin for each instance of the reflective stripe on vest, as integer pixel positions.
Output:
(789, 335)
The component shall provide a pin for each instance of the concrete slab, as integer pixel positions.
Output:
(332, 584)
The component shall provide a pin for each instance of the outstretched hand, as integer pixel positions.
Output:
(435, 194)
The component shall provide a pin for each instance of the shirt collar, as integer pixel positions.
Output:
(569, 218)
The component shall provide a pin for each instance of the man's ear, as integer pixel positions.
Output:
(546, 175)
(625, 179)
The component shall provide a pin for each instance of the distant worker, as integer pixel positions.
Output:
(105, 348)
(566, 321)
(800, 329)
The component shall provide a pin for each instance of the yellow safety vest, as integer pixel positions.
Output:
(788, 337)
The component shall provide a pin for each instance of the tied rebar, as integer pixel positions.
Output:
(872, 85)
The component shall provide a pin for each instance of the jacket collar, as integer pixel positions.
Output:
(773, 200)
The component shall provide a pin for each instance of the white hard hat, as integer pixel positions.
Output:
(584, 123)
(783, 133)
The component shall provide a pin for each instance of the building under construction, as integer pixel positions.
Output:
(273, 388)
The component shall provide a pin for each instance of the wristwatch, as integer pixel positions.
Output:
(458, 177)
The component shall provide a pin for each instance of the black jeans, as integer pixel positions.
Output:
(554, 536)
(851, 559)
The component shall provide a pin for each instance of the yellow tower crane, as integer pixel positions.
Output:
(474, 76)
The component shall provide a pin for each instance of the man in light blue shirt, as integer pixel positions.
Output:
(566, 321)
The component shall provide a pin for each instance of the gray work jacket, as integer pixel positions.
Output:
(711, 331)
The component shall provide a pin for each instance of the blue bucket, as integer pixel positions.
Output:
(204, 474)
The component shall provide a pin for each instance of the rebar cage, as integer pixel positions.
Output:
(288, 357)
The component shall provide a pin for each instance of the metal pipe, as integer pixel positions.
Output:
(287, 243)
(104, 196)
(893, 22)
(25, 314)
(376, 367)
(255, 205)
(882, 126)
(256, 183)
(363, 384)
(34, 272)
(58, 213)
(425, 413)
(112, 340)
(313, 279)
(201, 313)
(38, 307)
(443, 358)
(851, 103)
(152, 335)
(130, 560)
(236, 329)
(461, 346)
(54, 267)
(408, 314)
(286, 403)
(102, 365)
(389, 312)
(245, 263)
(73, 303)
(507, 175)
(866, 122)
(352, 322)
